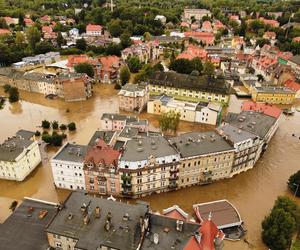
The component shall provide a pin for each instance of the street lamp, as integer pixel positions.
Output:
(297, 185)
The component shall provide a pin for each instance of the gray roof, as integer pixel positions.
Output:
(235, 134)
(26, 134)
(21, 231)
(104, 135)
(119, 117)
(183, 81)
(174, 238)
(124, 234)
(71, 152)
(167, 39)
(11, 148)
(251, 121)
(39, 77)
(196, 143)
(133, 87)
(129, 132)
(138, 123)
(295, 59)
(274, 89)
(142, 148)
(118, 145)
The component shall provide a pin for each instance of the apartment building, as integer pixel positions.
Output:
(256, 123)
(273, 95)
(93, 30)
(189, 88)
(202, 112)
(148, 165)
(19, 156)
(116, 122)
(133, 98)
(101, 169)
(205, 157)
(247, 147)
(67, 167)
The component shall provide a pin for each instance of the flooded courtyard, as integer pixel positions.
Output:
(253, 193)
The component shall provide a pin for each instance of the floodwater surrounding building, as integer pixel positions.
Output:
(253, 193)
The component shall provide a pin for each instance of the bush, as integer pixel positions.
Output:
(55, 125)
(124, 75)
(45, 132)
(37, 133)
(6, 88)
(85, 68)
(118, 86)
(45, 124)
(72, 126)
(56, 140)
(63, 127)
(134, 64)
(64, 136)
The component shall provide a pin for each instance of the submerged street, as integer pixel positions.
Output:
(253, 193)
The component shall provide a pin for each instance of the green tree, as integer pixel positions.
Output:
(63, 127)
(3, 24)
(43, 47)
(134, 64)
(113, 49)
(208, 69)
(256, 25)
(158, 67)
(85, 68)
(125, 40)
(72, 126)
(37, 133)
(60, 40)
(97, 16)
(169, 121)
(13, 94)
(124, 75)
(282, 223)
(115, 27)
(47, 138)
(294, 182)
(56, 139)
(197, 64)
(55, 124)
(20, 40)
(147, 36)
(45, 124)
(183, 66)
(81, 44)
(33, 36)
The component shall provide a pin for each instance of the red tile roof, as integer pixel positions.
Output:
(205, 37)
(93, 27)
(269, 34)
(193, 51)
(28, 21)
(206, 25)
(47, 29)
(219, 25)
(267, 109)
(292, 85)
(175, 212)
(102, 153)
(4, 31)
(46, 18)
(184, 24)
(109, 62)
(76, 59)
(208, 234)
(296, 39)
(272, 23)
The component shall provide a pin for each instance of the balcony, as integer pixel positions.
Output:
(173, 171)
(173, 177)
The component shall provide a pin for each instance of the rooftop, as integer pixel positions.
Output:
(183, 81)
(118, 117)
(124, 231)
(71, 152)
(142, 148)
(251, 121)
(25, 134)
(295, 59)
(12, 147)
(196, 143)
(24, 228)
(129, 132)
(103, 135)
(267, 109)
(234, 134)
(271, 89)
(223, 213)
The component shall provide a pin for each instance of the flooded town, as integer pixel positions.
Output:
(147, 125)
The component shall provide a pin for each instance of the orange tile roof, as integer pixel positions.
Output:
(28, 21)
(296, 39)
(47, 29)
(205, 37)
(193, 51)
(77, 59)
(184, 24)
(267, 109)
(93, 27)
(4, 31)
(292, 85)
(206, 25)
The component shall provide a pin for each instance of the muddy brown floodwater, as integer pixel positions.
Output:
(253, 192)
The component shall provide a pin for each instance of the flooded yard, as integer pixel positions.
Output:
(253, 192)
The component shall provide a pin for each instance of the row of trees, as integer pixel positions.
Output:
(55, 125)
(186, 66)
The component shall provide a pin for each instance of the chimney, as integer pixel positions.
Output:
(97, 212)
(86, 219)
(179, 225)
